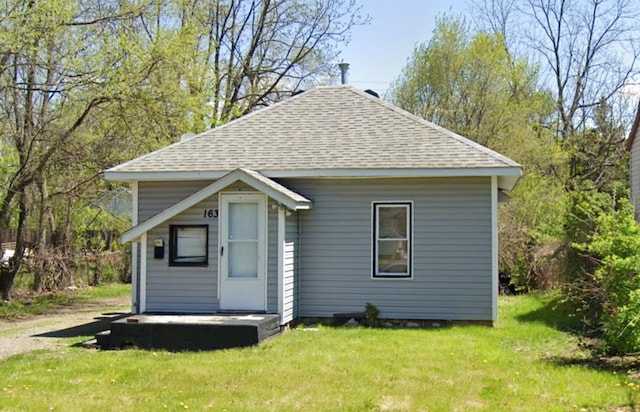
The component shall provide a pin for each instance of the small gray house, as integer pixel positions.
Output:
(315, 206)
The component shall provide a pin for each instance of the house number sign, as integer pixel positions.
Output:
(210, 213)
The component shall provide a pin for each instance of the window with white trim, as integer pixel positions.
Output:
(188, 245)
(392, 224)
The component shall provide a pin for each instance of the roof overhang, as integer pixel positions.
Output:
(634, 129)
(507, 176)
(274, 190)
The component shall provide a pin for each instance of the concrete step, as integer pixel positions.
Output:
(190, 332)
(103, 339)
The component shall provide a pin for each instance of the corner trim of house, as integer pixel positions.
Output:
(494, 248)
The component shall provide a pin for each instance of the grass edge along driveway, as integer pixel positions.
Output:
(526, 362)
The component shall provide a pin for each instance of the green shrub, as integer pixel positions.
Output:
(372, 314)
(580, 287)
(613, 267)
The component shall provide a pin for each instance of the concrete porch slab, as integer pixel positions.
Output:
(180, 332)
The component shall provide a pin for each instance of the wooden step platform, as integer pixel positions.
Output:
(189, 332)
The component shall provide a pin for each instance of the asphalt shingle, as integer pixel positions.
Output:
(331, 127)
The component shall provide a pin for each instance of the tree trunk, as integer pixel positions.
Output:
(39, 269)
(8, 273)
(6, 282)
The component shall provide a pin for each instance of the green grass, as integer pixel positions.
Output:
(528, 362)
(28, 305)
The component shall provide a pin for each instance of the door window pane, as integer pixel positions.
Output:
(243, 240)
(243, 221)
(243, 259)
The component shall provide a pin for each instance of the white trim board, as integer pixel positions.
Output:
(281, 240)
(494, 249)
(135, 281)
(143, 273)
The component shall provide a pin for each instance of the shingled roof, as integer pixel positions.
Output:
(326, 131)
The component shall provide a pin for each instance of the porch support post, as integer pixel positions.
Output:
(135, 279)
(281, 240)
(143, 273)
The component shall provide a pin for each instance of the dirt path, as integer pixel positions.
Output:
(49, 331)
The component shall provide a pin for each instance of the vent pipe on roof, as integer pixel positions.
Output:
(372, 93)
(344, 72)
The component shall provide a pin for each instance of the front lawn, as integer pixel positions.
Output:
(524, 363)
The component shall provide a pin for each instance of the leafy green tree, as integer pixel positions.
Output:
(469, 83)
(61, 61)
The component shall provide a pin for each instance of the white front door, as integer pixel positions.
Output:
(243, 252)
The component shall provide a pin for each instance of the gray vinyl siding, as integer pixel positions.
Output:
(154, 197)
(290, 267)
(634, 176)
(452, 259)
(183, 288)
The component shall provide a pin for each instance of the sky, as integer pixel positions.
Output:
(378, 51)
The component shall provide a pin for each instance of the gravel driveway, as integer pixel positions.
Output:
(48, 331)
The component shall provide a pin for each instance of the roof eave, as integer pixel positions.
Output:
(514, 170)
(634, 128)
(507, 182)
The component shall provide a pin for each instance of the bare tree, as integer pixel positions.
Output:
(591, 49)
(241, 54)
(499, 17)
(588, 53)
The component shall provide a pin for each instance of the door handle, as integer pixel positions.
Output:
(221, 250)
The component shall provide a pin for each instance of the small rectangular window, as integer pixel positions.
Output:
(188, 245)
(392, 239)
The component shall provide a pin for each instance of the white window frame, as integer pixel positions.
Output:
(174, 259)
(375, 207)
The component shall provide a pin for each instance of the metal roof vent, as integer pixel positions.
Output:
(372, 93)
(344, 72)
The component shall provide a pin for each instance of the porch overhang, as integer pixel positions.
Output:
(261, 183)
